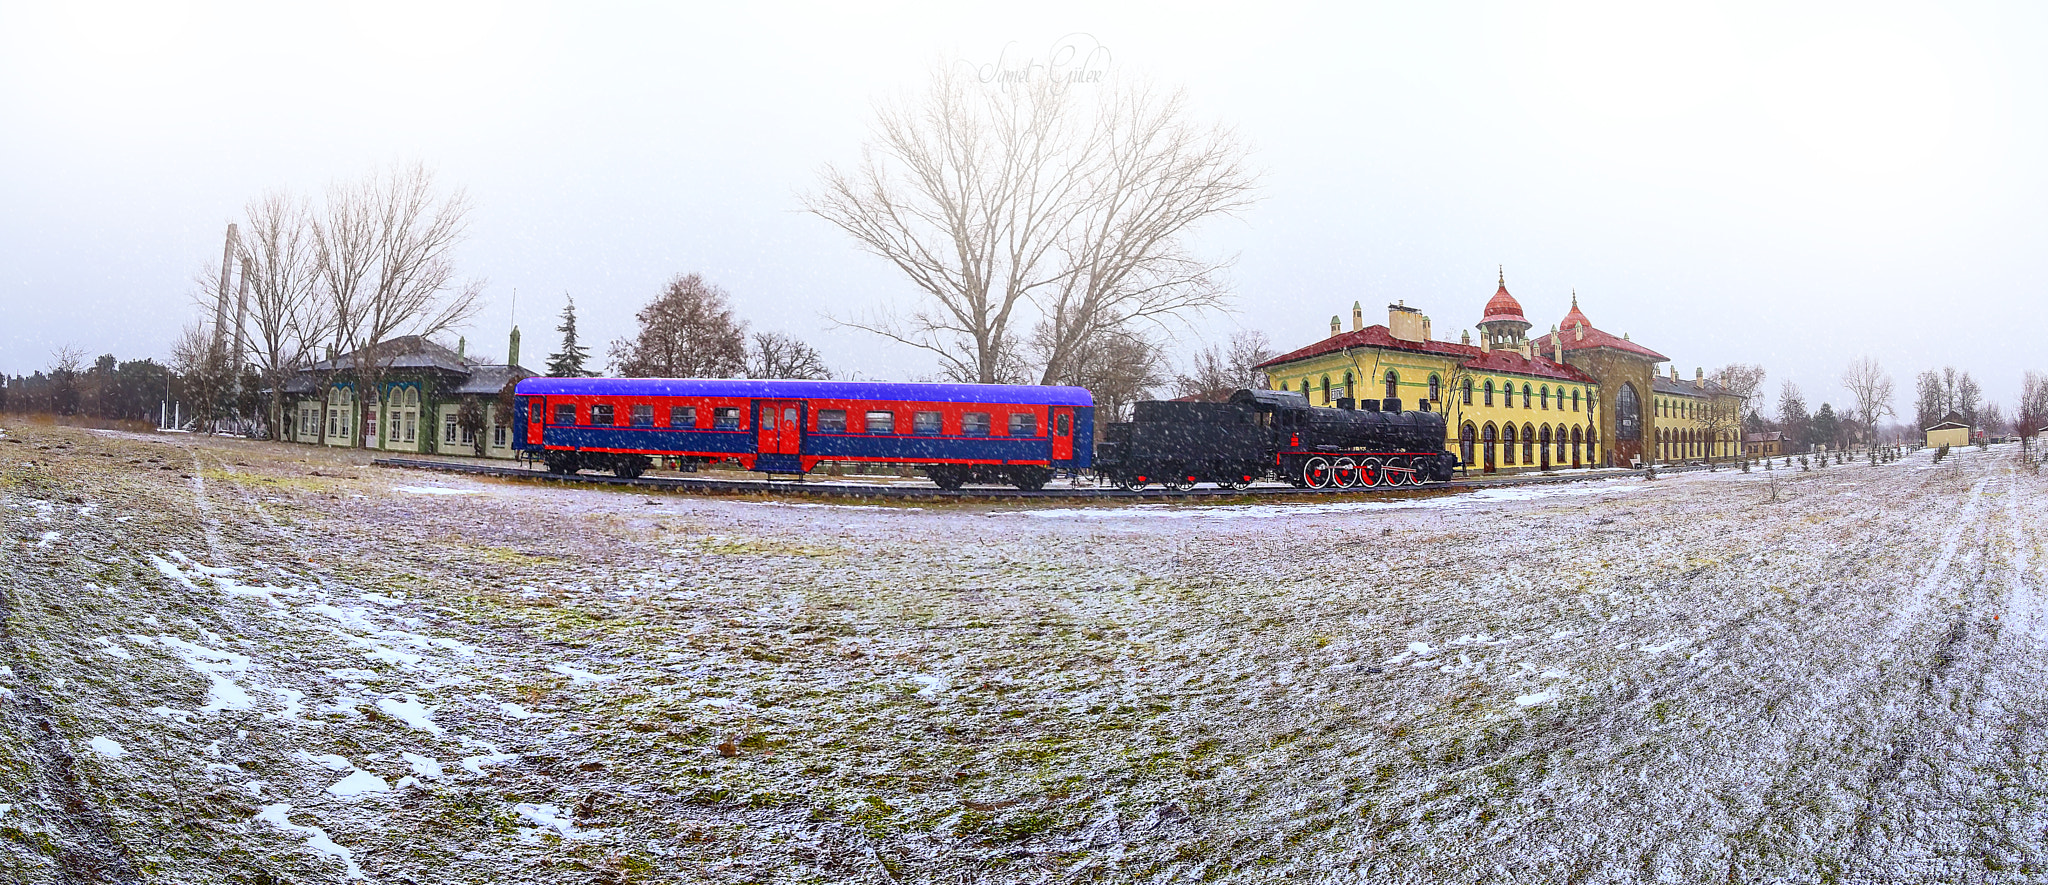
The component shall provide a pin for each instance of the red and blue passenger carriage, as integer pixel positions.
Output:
(955, 433)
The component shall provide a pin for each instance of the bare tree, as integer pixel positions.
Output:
(1871, 388)
(1792, 417)
(1216, 372)
(2032, 415)
(990, 197)
(202, 372)
(688, 331)
(281, 266)
(1723, 417)
(386, 266)
(776, 355)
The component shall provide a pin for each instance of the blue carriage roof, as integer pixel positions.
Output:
(1004, 394)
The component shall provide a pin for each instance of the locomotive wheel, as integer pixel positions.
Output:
(1372, 473)
(1315, 473)
(1236, 485)
(1344, 473)
(1126, 483)
(1398, 473)
(1177, 483)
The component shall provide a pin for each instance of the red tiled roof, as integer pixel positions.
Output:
(1468, 356)
(1513, 361)
(1503, 306)
(1370, 336)
(1596, 338)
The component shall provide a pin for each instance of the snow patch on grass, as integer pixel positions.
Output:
(316, 838)
(107, 747)
(411, 712)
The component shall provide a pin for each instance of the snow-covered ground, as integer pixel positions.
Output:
(227, 661)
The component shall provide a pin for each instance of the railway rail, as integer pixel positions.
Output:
(838, 488)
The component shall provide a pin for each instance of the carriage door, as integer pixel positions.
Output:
(536, 410)
(781, 428)
(1063, 434)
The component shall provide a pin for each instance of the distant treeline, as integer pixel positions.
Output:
(116, 390)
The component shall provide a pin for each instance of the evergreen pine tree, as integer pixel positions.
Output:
(569, 362)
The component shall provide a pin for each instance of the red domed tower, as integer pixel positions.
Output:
(1503, 325)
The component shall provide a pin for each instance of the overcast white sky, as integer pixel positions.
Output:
(1787, 185)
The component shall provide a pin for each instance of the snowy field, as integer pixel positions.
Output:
(251, 663)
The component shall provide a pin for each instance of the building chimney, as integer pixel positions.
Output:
(1556, 346)
(1357, 316)
(1486, 344)
(1465, 337)
(1335, 326)
(1405, 323)
(512, 349)
(462, 348)
(1674, 373)
(1699, 376)
(1581, 333)
(1425, 328)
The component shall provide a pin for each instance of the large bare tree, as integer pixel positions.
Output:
(387, 267)
(1041, 195)
(281, 267)
(688, 331)
(1871, 388)
(2031, 416)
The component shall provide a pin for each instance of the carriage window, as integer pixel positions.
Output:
(727, 418)
(602, 415)
(682, 416)
(1023, 424)
(1061, 425)
(565, 413)
(925, 423)
(643, 416)
(537, 413)
(974, 424)
(831, 420)
(881, 422)
(768, 419)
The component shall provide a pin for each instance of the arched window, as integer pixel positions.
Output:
(1349, 390)
(1575, 400)
(1557, 452)
(1465, 435)
(1393, 384)
(1578, 440)
(1283, 387)
(1544, 433)
(1528, 444)
(1489, 391)
(1326, 390)
(1435, 388)
(1543, 396)
(1468, 392)
(1525, 396)
(1628, 413)
(1492, 435)
(1507, 444)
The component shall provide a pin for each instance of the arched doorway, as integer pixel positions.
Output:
(1578, 440)
(1466, 440)
(1507, 445)
(1546, 435)
(1628, 425)
(1528, 445)
(1489, 439)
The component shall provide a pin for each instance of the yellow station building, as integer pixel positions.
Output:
(1575, 397)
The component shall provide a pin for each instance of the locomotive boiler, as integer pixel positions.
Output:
(1261, 433)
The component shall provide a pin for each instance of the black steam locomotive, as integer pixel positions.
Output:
(1266, 432)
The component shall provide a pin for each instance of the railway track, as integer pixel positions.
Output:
(838, 488)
